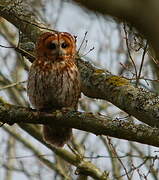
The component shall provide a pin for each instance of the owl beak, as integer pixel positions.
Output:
(59, 53)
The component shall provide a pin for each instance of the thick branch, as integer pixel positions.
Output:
(94, 123)
(138, 102)
(21, 17)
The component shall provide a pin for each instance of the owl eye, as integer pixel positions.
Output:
(64, 45)
(52, 45)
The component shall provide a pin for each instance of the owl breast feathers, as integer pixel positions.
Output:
(54, 80)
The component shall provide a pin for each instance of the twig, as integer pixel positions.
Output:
(142, 62)
(82, 42)
(127, 44)
(12, 85)
(114, 151)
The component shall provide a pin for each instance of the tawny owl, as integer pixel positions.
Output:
(54, 81)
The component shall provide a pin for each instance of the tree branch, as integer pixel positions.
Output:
(21, 17)
(17, 13)
(94, 123)
(140, 103)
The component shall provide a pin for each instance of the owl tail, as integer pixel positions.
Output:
(57, 136)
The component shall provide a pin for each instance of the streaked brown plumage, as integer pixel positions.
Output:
(54, 81)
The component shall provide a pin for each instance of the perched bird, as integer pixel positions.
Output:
(54, 81)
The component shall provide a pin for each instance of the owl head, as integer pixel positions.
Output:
(56, 46)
